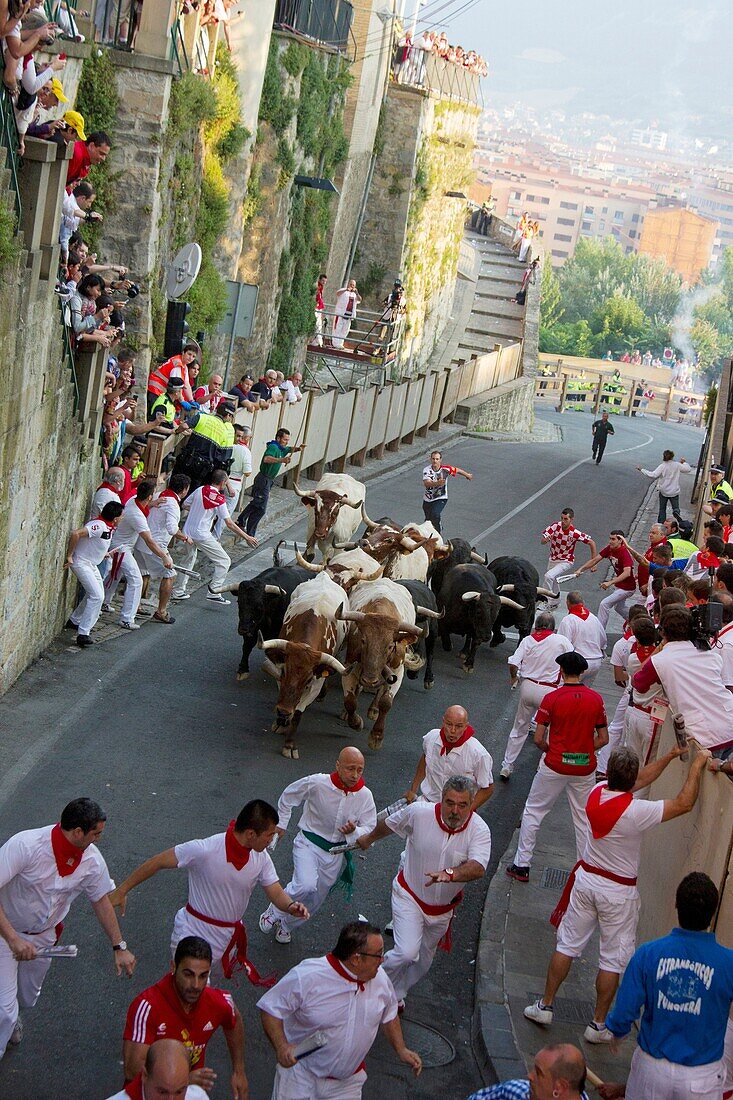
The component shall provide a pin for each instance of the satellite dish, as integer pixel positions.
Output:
(183, 271)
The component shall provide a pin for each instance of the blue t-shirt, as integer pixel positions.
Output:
(507, 1090)
(684, 983)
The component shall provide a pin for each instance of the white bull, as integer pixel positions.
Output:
(334, 511)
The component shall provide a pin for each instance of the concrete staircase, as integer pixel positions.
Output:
(493, 319)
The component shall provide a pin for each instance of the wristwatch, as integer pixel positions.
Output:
(450, 873)
(121, 946)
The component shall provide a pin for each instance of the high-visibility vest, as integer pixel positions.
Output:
(164, 402)
(213, 427)
(721, 486)
(681, 548)
(158, 378)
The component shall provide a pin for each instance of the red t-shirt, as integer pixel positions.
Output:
(621, 559)
(79, 164)
(573, 712)
(157, 1013)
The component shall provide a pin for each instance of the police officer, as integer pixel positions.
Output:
(210, 445)
(171, 402)
(721, 492)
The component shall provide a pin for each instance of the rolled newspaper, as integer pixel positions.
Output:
(58, 951)
(348, 844)
(310, 1044)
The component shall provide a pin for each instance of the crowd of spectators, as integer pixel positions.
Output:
(411, 56)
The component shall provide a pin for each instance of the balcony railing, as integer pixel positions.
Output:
(436, 76)
(326, 22)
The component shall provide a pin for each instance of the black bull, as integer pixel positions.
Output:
(262, 603)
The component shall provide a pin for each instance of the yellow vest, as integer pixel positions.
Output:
(164, 402)
(724, 486)
(213, 427)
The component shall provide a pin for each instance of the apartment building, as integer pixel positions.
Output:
(681, 237)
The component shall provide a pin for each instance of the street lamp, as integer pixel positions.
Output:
(319, 183)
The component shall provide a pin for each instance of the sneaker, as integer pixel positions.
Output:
(521, 874)
(17, 1034)
(128, 626)
(216, 597)
(597, 1033)
(71, 625)
(389, 929)
(539, 1013)
(506, 771)
(281, 934)
(180, 596)
(107, 607)
(83, 640)
(267, 922)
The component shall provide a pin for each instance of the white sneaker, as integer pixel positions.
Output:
(216, 597)
(597, 1033)
(128, 626)
(281, 934)
(506, 771)
(17, 1034)
(541, 1014)
(106, 607)
(180, 596)
(267, 922)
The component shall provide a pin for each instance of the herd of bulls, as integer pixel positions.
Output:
(379, 601)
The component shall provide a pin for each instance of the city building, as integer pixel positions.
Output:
(681, 237)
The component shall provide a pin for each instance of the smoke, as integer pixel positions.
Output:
(683, 319)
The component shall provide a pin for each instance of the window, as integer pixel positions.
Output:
(559, 254)
(566, 221)
(529, 198)
(601, 227)
(634, 217)
(562, 237)
(544, 201)
(568, 206)
(589, 210)
(605, 210)
(618, 216)
(516, 194)
(586, 227)
(632, 234)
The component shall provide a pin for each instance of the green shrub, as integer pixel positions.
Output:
(9, 244)
(97, 99)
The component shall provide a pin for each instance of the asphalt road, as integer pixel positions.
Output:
(156, 728)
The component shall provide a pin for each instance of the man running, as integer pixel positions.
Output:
(563, 538)
(601, 430)
(452, 750)
(623, 584)
(435, 485)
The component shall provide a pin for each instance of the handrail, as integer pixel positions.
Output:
(55, 13)
(178, 47)
(68, 353)
(10, 141)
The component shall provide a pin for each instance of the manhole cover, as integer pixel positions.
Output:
(553, 878)
(434, 1049)
(574, 1012)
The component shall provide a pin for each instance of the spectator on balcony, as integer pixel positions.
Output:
(320, 311)
(94, 150)
(62, 131)
(86, 321)
(347, 299)
(209, 396)
(178, 366)
(243, 392)
(36, 92)
(403, 57)
(263, 386)
(291, 388)
(76, 208)
(19, 40)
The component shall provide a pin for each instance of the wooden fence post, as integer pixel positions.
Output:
(599, 393)
(668, 406)
(563, 394)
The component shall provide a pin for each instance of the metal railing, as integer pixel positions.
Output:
(327, 22)
(115, 21)
(68, 352)
(433, 74)
(9, 141)
(64, 16)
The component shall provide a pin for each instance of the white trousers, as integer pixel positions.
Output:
(657, 1079)
(615, 731)
(314, 873)
(618, 598)
(416, 939)
(595, 664)
(341, 327)
(556, 569)
(87, 612)
(320, 327)
(299, 1083)
(211, 549)
(614, 909)
(546, 788)
(130, 570)
(20, 983)
(638, 731)
(530, 697)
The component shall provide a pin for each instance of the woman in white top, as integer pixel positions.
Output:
(347, 299)
(668, 472)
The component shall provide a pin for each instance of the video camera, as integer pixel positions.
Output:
(707, 622)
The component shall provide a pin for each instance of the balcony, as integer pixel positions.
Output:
(320, 22)
(432, 74)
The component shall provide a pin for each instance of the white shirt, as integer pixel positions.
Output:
(91, 551)
(693, 683)
(669, 477)
(326, 808)
(620, 652)
(200, 520)
(725, 649)
(241, 462)
(620, 850)
(587, 635)
(215, 887)
(694, 569)
(69, 220)
(133, 523)
(291, 391)
(193, 1092)
(102, 496)
(33, 894)
(432, 848)
(535, 660)
(314, 997)
(471, 758)
(163, 521)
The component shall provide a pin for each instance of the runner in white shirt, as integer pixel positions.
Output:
(347, 996)
(42, 871)
(534, 667)
(619, 664)
(108, 490)
(334, 806)
(447, 844)
(207, 505)
(132, 527)
(223, 870)
(241, 466)
(639, 726)
(163, 519)
(165, 1074)
(583, 629)
(452, 750)
(563, 538)
(601, 891)
(88, 547)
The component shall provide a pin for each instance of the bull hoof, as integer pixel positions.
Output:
(497, 640)
(355, 721)
(468, 669)
(429, 684)
(463, 657)
(242, 676)
(375, 740)
(290, 752)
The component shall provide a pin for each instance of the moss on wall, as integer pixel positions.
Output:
(97, 101)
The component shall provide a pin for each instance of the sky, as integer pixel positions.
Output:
(654, 60)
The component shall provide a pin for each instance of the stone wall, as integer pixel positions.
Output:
(507, 408)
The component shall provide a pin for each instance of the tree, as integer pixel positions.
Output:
(551, 309)
(596, 271)
(620, 324)
(706, 342)
(655, 287)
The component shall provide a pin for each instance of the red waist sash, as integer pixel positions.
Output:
(561, 908)
(235, 955)
(435, 910)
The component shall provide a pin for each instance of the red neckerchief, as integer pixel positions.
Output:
(444, 827)
(211, 497)
(602, 816)
(540, 635)
(446, 746)
(236, 853)
(643, 651)
(628, 632)
(108, 522)
(579, 610)
(171, 494)
(112, 488)
(134, 1088)
(707, 559)
(334, 777)
(144, 508)
(67, 856)
(343, 972)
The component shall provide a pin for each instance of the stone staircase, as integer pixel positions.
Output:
(494, 318)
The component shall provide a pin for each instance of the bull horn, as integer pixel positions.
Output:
(477, 558)
(233, 587)
(471, 596)
(301, 492)
(410, 628)
(349, 616)
(505, 588)
(409, 544)
(351, 503)
(511, 603)
(306, 564)
(273, 643)
(273, 670)
(346, 546)
(428, 613)
(545, 592)
(274, 590)
(332, 663)
(375, 575)
(369, 522)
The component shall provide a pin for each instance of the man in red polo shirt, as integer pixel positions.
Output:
(571, 727)
(94, 150)
(182, 1005)
(623, 585)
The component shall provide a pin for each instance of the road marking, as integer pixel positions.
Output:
(540, 492)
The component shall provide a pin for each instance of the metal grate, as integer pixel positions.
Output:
(573, 1012)
(554, 878)
(434, 1049)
